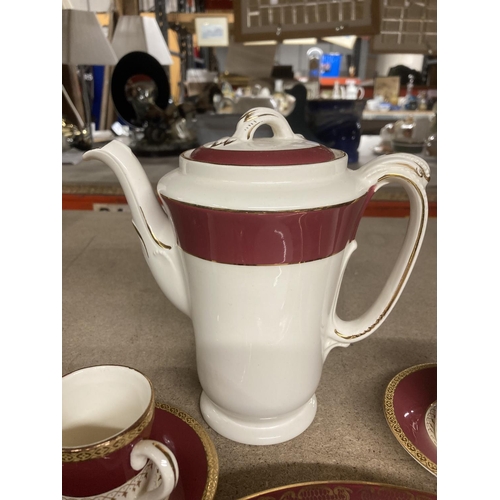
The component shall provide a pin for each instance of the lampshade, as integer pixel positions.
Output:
(83, 40)
(300, 41)
(346, 41)
(140, 34)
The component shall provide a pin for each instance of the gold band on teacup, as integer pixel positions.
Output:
(104, 448)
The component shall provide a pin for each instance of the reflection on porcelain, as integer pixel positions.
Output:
(431, 422)
(251, 241)
(407, 406)
(342, 490)
(107, 417)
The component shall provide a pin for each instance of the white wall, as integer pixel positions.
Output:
(295, 56)
(92, 5)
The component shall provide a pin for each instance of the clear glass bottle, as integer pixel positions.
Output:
(422, 100)
(279, 96)
(411, 102)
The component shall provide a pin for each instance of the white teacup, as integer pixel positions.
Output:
(107, 417)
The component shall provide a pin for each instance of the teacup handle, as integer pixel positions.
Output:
(362, 92)
(163, 459)
(413, 174)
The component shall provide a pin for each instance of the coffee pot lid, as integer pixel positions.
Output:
(284, 148)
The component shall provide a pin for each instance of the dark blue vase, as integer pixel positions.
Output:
(337, 123)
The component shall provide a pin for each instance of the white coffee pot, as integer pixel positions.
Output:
(251, 241)
(353, 91)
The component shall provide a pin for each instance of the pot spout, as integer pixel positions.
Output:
(156, 232)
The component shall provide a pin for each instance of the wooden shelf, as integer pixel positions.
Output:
(103, 18)
(185, 19)
(342, 80)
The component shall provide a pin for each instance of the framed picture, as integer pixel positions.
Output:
(386, 86)
(212, 31)
(406, 28)
(285, 19)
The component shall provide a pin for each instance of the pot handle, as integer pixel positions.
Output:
(255, 117)
(413, 173)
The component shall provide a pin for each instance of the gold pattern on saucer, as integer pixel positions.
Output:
(210, 451)
(390, 416)
(339, 490)
(104, 448)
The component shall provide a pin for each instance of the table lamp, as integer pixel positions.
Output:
(85, 44)
(141, 90)
(140, 34)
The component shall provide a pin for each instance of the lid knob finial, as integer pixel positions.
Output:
(255, 117)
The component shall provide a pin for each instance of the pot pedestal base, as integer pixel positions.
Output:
(257, 431)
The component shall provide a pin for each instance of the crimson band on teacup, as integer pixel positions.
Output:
(107, 412)
(265, 238)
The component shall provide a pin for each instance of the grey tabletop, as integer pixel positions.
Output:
(114, 312)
